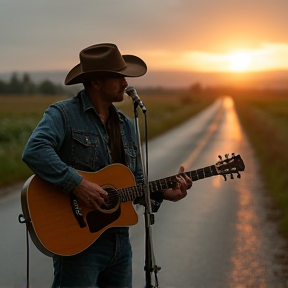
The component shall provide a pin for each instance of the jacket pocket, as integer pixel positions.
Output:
(84, 149)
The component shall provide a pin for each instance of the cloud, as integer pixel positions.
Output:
(185, 34)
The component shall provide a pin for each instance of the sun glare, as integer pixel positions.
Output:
(269, 56)
(239, 61)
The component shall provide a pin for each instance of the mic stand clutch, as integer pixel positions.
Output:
(150, 266)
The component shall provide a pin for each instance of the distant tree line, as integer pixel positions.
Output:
(24, 85)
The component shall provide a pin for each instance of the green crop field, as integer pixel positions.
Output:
(265, 118)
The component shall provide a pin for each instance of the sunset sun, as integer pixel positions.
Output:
(239, 61)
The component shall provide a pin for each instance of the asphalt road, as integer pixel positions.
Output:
(218, 236)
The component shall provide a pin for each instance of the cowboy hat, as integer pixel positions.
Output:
(106, 58)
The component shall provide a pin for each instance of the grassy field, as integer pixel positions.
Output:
(19, 115)
(265, 118)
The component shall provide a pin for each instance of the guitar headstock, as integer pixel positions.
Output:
(230, 165)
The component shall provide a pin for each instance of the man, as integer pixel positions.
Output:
(88, 133)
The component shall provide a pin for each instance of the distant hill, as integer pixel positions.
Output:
(182, 79)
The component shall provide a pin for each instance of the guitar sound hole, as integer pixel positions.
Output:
(112, 199)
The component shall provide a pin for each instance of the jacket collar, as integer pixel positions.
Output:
(87, 104)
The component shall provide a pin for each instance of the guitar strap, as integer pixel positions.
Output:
(77, 210)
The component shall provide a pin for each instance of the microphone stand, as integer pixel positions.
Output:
(150, 266)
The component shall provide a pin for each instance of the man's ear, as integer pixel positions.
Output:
(95, 84)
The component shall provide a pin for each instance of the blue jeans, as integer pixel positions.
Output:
(106, 263)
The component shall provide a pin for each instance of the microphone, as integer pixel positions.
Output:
(131, 91)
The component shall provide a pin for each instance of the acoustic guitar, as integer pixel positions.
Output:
(58, 225)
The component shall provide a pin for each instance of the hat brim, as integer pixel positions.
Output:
(135, 67)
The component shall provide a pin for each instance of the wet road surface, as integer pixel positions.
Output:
(218, 236)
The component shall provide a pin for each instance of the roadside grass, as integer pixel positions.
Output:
(19, 115)
(265, 118)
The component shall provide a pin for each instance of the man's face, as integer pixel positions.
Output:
(112, 89)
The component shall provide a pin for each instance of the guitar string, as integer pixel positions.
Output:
(130, 193)
(157, 185)
(126, 193)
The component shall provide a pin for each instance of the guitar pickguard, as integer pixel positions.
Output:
(97, 220)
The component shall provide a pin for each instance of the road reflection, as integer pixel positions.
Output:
(248, 264)
(232, 127)
(247, 244)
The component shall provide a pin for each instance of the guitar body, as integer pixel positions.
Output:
(53, 226)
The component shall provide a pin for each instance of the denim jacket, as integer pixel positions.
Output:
(72, 135)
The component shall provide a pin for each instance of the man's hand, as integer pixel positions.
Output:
(90, 194)
(179, 191)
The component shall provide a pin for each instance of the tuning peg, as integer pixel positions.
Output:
(220, 157)
(233, 154)
(226, 156)
(225, 177)
(232, 177)
(238, 175)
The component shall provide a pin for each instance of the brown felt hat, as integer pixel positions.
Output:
(104, 58)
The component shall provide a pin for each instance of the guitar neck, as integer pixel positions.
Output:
(130, 193)
(195, 175)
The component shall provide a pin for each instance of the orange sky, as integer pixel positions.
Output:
(268, 56)
(222, 35)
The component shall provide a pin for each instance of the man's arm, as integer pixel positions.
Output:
(40, 152)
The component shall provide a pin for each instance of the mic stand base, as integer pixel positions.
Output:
(149, 259)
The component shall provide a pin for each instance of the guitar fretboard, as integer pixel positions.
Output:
(130, 193)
